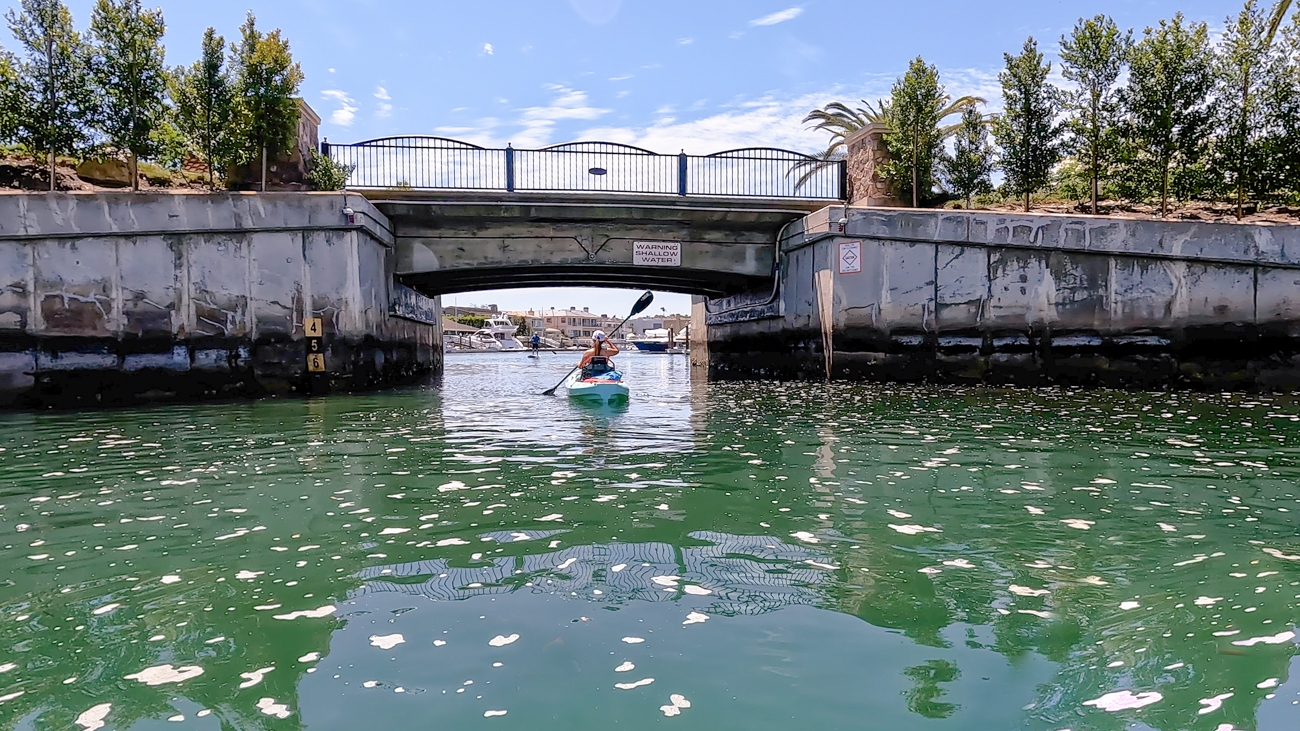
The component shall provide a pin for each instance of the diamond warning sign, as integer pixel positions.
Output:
(850, 257)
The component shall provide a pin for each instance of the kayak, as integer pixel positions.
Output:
(599, 388)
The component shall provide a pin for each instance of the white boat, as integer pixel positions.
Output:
(483, 340)
(595, 389)
(653, 341)
(501, 329)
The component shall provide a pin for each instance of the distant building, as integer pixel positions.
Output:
(578, 325)
(531, 320)
(676, 323)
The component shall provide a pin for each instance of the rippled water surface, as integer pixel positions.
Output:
(739, 556)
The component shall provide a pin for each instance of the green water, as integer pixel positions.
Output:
(777, 555)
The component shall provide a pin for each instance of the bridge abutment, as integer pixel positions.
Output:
(973, 297)
(112, 298)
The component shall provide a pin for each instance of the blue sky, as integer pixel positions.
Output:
(699, 75)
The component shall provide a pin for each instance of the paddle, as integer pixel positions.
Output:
(637, 309)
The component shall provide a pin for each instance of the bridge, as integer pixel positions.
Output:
(466, 217)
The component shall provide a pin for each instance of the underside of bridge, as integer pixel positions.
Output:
(451, 242)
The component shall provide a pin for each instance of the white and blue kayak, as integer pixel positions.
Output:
(603, 388)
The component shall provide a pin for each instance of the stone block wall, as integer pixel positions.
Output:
(121, 298)
(976, 297)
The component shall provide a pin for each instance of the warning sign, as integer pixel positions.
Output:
(850, 257)
(657, 253)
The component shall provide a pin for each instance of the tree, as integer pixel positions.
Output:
(1092, 56)
(1168, 116)
(266, 81)
(842, 122)
(126, 68)
(1241, 61)
(1027, 131)
(204, 100)
(8, 97)
(968, 168)
(53, 93)
(918, 105)
(1280, 99)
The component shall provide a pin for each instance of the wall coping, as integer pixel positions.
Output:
(1232, 243)
(36, 216)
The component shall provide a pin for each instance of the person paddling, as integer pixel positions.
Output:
(600, 353)
(537, 343)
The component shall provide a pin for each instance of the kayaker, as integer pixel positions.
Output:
(600, 348)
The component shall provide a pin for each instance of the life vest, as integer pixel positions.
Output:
(596, 366)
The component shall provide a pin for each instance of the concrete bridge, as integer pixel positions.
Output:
(587, 213)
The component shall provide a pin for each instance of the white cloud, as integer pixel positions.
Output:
(778, 17)
(347, 107)
(385, 103)
(685, 41)
(539, 122)
(487, 48)
(624, 77)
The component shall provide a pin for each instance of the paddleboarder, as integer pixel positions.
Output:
(537, 344)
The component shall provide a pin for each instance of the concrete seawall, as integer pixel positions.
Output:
(972, 297)
(120, 298)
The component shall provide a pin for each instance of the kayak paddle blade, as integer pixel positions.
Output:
(642, 303)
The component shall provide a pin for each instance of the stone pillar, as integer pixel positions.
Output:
(866, 155)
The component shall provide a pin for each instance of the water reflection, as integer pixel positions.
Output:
(835, 555)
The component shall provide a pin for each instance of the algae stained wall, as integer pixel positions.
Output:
(117, 298)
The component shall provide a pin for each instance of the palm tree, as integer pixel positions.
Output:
(843, 122)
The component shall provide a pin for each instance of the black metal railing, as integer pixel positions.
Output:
(437, 163)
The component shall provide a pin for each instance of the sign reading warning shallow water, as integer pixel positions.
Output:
(657, 253)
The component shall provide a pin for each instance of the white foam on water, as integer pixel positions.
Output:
(503, 640)
(311, 613)
(679, 700)
(1265, 685)
(634, 640)
(254, 677)
(1284, 556)
(247, 575)
(491, 714)
(452, 542)
(394, 531)
(386, 642)
(452, 486)
(1276, 639)
(912, 530)
(170, 579)
(1079, 524)
(163, 674)
(105, 609)
(1034, 511)
(671, 710)
(1167, 528)
(1207, 601)
(1129, 605)
(567, 563)
(899, 514)
(1036, 613)
(959, 563)
(1026, 591)
(93, 718)
(696, 590)
(310, 657)
(805, 536)
(618, 567)
(637, 684)
(439, 643)
(177, 718)
(7, 667)
(696, 618)
(269, 707)
(1124, 700)
(1210, 705)
(553, 517)
(625, 667)
(818, 564)
(666, 580)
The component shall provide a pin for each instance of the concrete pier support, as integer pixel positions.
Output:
(121, 298)
(972, 297)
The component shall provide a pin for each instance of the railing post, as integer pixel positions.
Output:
(681, 173)
(510, 168)
(325, 147)
(844, 181)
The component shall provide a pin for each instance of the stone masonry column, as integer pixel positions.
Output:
(866, 155)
